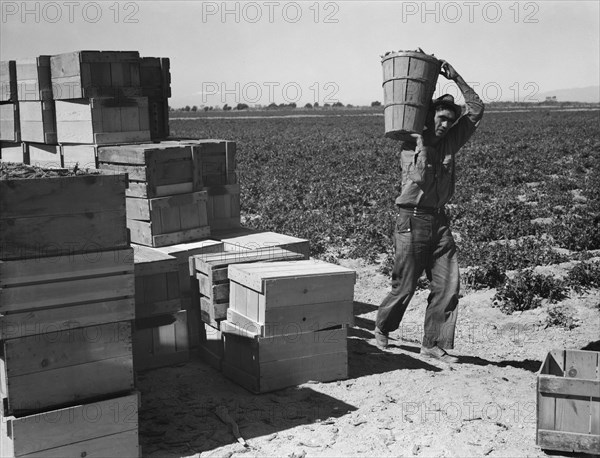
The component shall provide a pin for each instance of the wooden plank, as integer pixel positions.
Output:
(73, 425)
(187, 235)
(210, 262)
(294, 319)
(266, 240)
(43, 155)
(149, 261)
(12, 152)
(212, 312)
(569, 442)
(85, 156)
(58, 319)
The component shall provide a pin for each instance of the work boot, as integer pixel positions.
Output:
(438, 353)
(381, 338)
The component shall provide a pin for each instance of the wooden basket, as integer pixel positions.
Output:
(409, 80)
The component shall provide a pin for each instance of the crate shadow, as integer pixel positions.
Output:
(178, 410)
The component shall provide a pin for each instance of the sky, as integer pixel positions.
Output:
(265, 52)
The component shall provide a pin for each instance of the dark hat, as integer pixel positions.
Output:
(447, 101)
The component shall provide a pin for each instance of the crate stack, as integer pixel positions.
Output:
(11, 148)
(66, 305)
(37, 115)
(213, 286)
(287, 323)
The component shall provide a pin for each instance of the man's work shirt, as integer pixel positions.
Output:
(428, 174)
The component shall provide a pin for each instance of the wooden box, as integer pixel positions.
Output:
(33, 79)
(161, 341)
(289, 297)
(84, 156)
(9, 122)
(60, 215)
(217, 159)
(37, 121)
(104, 428)
(86, 74)
(213, 283)
(50, 370)
(102, 120)
(246, 239)
(53, 294)
(42, 155)
(155, 76)
(223, 207)
(167, 220)
(568, 402)
(157, 290)
(262, 364)
(8, 81)
(12, 152)
(189, 295)
(154, 169)
(211, 345)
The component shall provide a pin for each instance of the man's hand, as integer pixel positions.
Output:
(448, 71)
(419, 140)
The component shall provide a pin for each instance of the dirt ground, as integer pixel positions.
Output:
(394, 402)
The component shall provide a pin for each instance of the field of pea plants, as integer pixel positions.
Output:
(526, 218)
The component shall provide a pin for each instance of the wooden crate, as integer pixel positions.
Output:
(568, 402)
(189, 295)
(160, 341)
(217, 160)
(42, 155)
(12, 152)
(50, 370)
(9, 122)
(84, 156)
(102, 120)
(223, 207)
(262, 364)
(98, 429)
(54, 294)
(37, 121)
(60, 215)
(8, 81)
(155, 76)
(155, 169)
(87, 74)
(288, 297)
(213, 283)
(33, 79)
(167, 220)
(247, 239)
(157, 290)
(211, 345)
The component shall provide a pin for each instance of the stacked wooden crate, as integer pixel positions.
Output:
(11, 149)
(98, 102)
(287, 323)
(37, 112)
(160, 332)
(210, 271)
(155, 79)
(67, 298)
(165, 201)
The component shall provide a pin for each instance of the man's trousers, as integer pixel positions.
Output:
(423, 242)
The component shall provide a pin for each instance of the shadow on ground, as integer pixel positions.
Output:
(178, 405)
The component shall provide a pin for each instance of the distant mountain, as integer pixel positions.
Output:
(590, 94)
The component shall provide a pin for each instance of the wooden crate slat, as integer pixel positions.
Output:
(36, 434)
(569, 442)
(12, 152)
(39, 321)
(9, 122)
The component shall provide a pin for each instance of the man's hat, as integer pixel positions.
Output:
(447, 101)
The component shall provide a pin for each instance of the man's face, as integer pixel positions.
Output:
(442, 121)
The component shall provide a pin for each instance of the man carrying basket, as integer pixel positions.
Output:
(422, 237)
